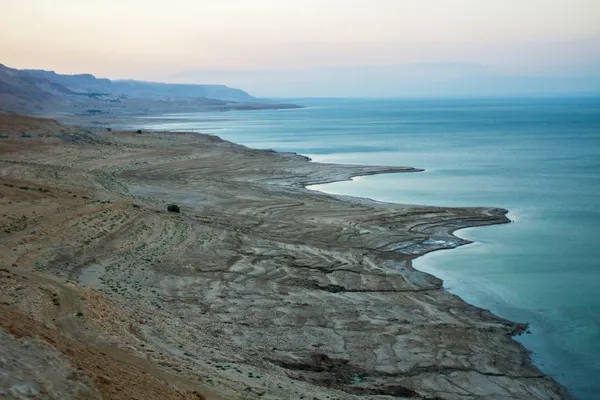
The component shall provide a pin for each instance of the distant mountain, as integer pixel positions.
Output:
(49, 93)
(78, 82)
(22, 92)
(133, 88)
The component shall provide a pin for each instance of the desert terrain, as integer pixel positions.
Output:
(257, 288)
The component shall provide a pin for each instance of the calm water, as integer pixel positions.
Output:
(538, 158)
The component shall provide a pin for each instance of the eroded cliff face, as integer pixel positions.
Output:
(259, 288)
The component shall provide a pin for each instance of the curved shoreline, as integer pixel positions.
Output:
(436, 269)
(313, 293)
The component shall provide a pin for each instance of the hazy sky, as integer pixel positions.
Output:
(152, 39)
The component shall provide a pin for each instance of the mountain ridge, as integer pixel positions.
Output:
(47, 93)
(139, 88)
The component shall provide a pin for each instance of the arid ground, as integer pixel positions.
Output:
(258, 288)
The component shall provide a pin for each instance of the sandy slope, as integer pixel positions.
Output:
(258, 289)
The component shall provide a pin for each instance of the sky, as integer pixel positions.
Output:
(299, 47)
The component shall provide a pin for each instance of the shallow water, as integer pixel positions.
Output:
(539, 158)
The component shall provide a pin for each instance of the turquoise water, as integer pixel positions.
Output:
(539, 158)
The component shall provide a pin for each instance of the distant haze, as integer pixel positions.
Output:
(316, 48)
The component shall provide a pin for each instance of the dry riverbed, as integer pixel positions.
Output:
(259, 288)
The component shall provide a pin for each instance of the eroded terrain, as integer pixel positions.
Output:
(259, 288)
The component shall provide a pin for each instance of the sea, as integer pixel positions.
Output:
(537, 157)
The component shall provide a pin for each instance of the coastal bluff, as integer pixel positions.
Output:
(257, 288)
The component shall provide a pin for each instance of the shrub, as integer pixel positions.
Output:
(174, 208)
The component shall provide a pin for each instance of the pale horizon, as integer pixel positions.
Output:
(293, 48)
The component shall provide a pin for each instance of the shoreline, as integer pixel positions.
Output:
(268, 275)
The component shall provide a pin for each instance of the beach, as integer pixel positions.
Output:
(258, 288)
